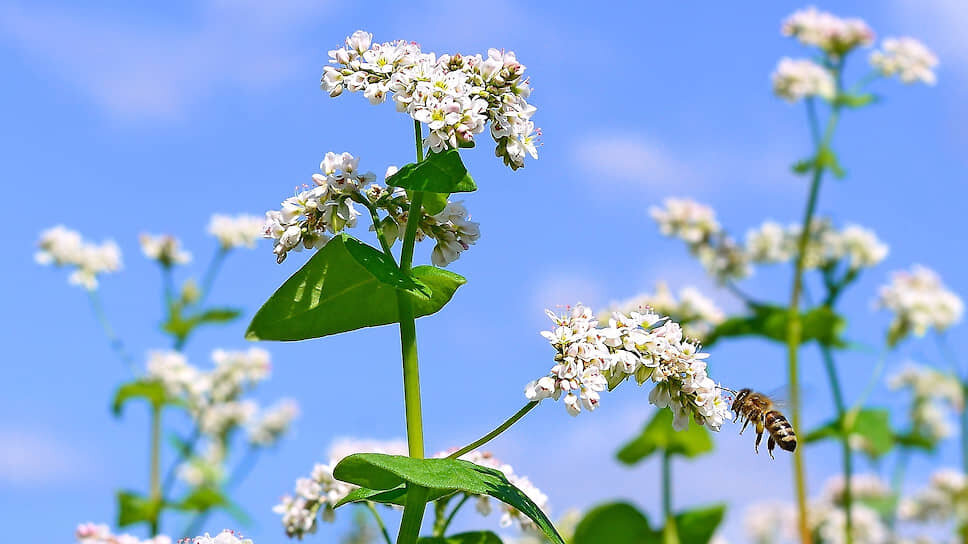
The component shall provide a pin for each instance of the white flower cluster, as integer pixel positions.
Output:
(565, 525)
(859, 247)
(920, 301)
(225, 537)
(321, 491)
(236, 231)
(273, 422)
(696, 312)
(775, 522)
(795, 79)
(945, 498)
(696, 224)
(454, 95)
(907, 58)
(92, 533)
(60, 246)
(164, 248)
(509, 513)
(590, 359)
(832, 34)
(932, 391)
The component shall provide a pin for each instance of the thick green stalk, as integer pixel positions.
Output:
(493, 434)
(155, 469)
(670, 533)
(846, 457)
(794, 324)
(416, 496)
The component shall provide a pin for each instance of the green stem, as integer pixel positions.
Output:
(183, 455)
(378, 228)
(493, 434)
(379, 522)
(211, 273)
(794, 326)
(897, 480)
(670, 533)
(116, 344)
(155, 468)
(239, 474)
(846, 457)
(416, 496)
(453, 513)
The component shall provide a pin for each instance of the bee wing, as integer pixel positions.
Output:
(781, 395)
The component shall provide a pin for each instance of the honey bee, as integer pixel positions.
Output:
(757, 408)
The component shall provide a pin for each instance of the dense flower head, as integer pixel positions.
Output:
(590, 359)
(943, 499)
(863, 487)
(920, 301)
(509, 514)
(164, 248)
(934, 394)
(455, 96)
(907, 58)
(320, 492)
(60, 246)
(236, 231)
(697, 226)
(834, 35)
(308, 219)
(696, 312)
(857, 246)
(92, 533)
(796, 79)
(225, 537)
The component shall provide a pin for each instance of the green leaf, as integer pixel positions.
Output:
(821, 325)
(379, 471)
(475, 537)
(151, 391)
(659, 435)
(827, 159)
(135, 508)
(615, 523)
(397, 496)
(914, 439)
(348, 285)
(872, 425)
(697, 526)
(855, 100)
(203, 499)
(181, 326)
(803, 166)
(434, 203)
(438, 173)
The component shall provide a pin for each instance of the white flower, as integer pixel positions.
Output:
(321, 491)
(696, 224)
(772, 243)
(945, 498)
(934, 394)
(907, 58)
(240, 230)
(455, 96)
(863, 487)
(225, 537)
(770, 522)
(273, 423)
(164, 248)
(60, 246)
(920, 301)
(697, 313)
(834, 35)
(797, 79)
(90, 533)
(591, 359)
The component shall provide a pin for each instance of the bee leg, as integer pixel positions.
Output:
(770, 444)
(759, 436)
(745, 423)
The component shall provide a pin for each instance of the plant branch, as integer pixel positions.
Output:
(115, 342)
(497, 431)
(846, 454)
(379, 522)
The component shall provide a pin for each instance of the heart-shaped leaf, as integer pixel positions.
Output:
(659, 435)
(438, 173)
(379, 471)
(348, 285)
(397, 496)
(615, 523)
(475, 537)
(151, 391)
(697, 526)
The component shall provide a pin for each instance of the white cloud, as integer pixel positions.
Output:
(37, 457)
(135, 70)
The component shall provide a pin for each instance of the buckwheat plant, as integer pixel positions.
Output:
(347, 284)
(835, 254)
(215, 403)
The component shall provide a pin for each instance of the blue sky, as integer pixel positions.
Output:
(119, 119)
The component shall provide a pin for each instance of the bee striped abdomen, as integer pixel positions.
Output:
(780, 430)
